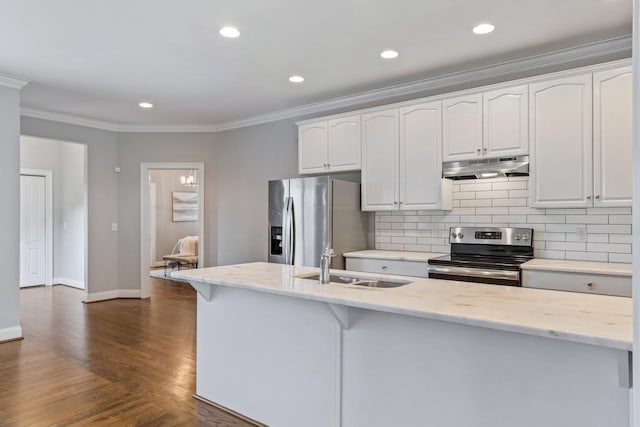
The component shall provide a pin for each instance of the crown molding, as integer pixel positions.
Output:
(558, 58)
(69, 119)
(13, 82)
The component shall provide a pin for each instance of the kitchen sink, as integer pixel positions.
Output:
(359, 281)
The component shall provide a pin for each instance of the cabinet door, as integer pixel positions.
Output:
(506, 122)
(344, 144)
(420, 165)
(462, 128)
(561, 143)
(612, 141)
(312, 148)
(380, 160)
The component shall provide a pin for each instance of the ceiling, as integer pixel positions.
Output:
(99, 59)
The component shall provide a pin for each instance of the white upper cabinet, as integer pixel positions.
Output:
(506, 122)
(420, 166)
(462, 127)
(312, 148)
(612, 140)
(329, 146)
(402, 160)
(561, 142)
(380, 160)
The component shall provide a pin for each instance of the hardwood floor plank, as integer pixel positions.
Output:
(121, 362)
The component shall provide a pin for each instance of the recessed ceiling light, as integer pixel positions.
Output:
(296, 79)
(483, 29)
(146, 105)
(229, 32)
(389, 54)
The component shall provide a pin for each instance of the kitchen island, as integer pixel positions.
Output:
(287, 351)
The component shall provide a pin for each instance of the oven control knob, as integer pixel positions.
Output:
(453, 235)
(460, 235)
(517, 237)
(525, 237)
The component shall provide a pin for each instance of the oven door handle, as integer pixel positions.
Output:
(475, 272)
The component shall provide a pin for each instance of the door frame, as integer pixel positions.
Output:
(48, 222)
(145, 168)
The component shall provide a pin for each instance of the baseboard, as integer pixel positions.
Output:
(118, 293)
(229, 411)
(11, 334)
(68, 282)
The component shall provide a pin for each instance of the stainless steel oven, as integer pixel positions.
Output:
(484, 255)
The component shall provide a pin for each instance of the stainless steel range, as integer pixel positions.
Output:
(484, 255)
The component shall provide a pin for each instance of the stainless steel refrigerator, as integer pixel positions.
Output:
(307, 213)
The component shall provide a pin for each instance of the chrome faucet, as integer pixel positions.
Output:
(325, 263)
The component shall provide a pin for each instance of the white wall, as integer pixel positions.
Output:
(167, 231)
(102, 190)
(10, 213)
(66, 161)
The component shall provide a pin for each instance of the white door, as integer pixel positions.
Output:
(32, 230)
(312, 148)
(612, 142)
(462, 128)
(506, 122)
(421, 156)
(153, 255)
(380, 161)
(344, 144)
(561, 143)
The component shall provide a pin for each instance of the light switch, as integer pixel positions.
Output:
(114, 226)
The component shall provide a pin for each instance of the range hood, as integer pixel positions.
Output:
(486, 168)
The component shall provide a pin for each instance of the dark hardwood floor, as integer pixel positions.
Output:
(125, 362)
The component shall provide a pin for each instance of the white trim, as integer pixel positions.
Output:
(48, 221)
(635, 395)
(558, 58)
(107, 295)
(13, 82)
(12, 333)
(145, 168)
(68, 282)
(68, 118)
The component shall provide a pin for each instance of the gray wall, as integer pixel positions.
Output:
(66, 161)
(102, 193)
(9, 215)
(167, 231)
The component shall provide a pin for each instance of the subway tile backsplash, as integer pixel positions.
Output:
(593, 234)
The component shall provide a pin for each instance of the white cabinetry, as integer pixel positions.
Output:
(329, 146)
(561, 142)
(506, 122)
(581, 141)
(577, 282)
(380, 160)
(486, 125)
(402, 160)
(612, 141)
(462, 127)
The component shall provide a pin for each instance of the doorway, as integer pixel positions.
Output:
(36, 242)
(171, 208)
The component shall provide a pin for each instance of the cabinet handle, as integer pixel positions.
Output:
(598, 196)
(590, 285)
(588, 197)
(384, 267)
(485, 150)
(478, 151)
(395, 203)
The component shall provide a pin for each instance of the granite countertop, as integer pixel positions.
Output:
(393, 255)
(588, 267)
(604, 321)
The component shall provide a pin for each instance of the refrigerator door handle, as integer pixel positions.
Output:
(288, 231)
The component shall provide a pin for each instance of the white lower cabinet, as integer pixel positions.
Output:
(402, 160)
(577, 282)
(400, 268)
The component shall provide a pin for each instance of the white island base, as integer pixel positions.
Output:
(290, 361)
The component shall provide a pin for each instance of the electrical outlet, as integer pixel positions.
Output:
(581, 234)
(114, 226)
